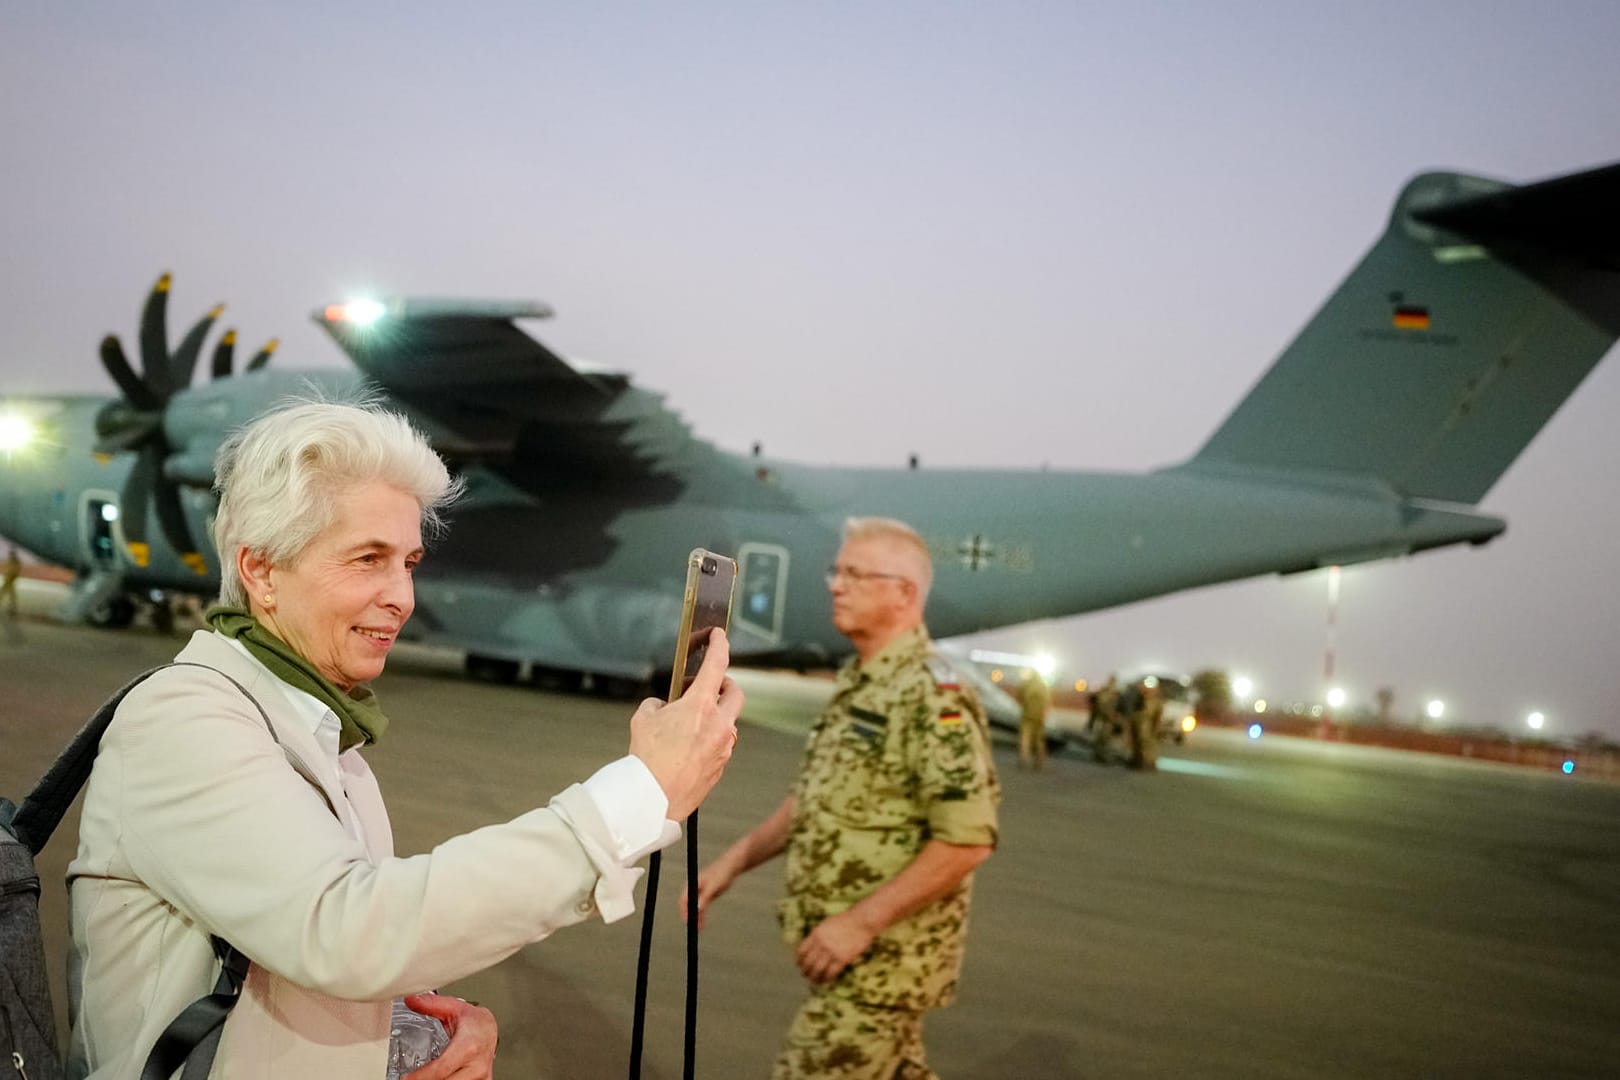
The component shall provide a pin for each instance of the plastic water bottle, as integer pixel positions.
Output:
(413, 1040)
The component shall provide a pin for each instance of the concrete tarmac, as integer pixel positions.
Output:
(1271, 908)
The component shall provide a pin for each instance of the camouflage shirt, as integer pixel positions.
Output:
(901, 756)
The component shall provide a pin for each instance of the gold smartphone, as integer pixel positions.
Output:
(710, 581)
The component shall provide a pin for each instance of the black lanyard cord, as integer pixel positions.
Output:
(643, 961)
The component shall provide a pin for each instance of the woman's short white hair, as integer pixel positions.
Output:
(279, 478)
(904, 540)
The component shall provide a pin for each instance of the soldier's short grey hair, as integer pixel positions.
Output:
(280, 478)
(912, 547)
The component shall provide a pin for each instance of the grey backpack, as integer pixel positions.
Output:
(28, 1044)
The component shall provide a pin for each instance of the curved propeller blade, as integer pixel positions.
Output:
(262, 357)
(172, 518)
(155, 340)
(184, 361)
(223, 353)
(117, 365)
(132, 506)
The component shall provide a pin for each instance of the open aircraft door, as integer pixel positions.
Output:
(762, 571)
(99, 532)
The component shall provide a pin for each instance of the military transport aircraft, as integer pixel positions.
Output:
(1375, 434)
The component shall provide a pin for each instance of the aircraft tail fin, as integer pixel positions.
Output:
(1471, 320)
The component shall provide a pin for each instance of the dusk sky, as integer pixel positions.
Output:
(1006, 235)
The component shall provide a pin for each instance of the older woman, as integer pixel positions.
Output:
(230, 798)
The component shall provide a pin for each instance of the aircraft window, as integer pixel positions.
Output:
(99, 517)
(763, 573)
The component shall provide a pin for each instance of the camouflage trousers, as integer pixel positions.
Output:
(835, 1037)
(1032, 742)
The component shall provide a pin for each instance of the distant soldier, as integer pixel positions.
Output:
(894, 807)
(9, 571)
(1034, 699)
(1146, 716)
(1104, 720)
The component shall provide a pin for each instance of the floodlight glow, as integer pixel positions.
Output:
(1335, 697)
(1569, 767)
(1535, 720)
(1189, 722)
(359, 312)
(1046, 664)
(1254, 731)
(1436, 708)
(1242, 687)
(16, 432)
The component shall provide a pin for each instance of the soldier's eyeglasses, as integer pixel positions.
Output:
(856, 577)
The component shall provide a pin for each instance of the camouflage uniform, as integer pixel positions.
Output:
(1034, 700)
(1104, 720)
(1145, 721)
(901, 756)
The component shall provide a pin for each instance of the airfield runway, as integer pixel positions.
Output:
(1268, 908)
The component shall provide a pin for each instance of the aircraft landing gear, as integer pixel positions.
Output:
(114, 613)
(492, 669)
(621, 688)
(559, 680)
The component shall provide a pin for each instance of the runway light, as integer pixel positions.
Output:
(1080, 686)
(1335, 697)
(1188, 723)
(1535, 720)
(997, 675)
(1260, 706)
(1254, 731)
(1436, 708)
(1569, 766)
(109, 512)
(1316, 710)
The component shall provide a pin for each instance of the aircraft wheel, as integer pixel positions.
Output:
(561, 680)
(114, 614)
(620, 688)
(163, 617)
(492, 669)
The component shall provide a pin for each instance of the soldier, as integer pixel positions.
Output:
(894, 807)
(1146, 716)
(9, 570)
(1034, 699)
(1104, 718)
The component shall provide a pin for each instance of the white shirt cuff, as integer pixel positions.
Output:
(633, 806)
(628, 809)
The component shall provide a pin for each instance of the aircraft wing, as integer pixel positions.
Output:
(486, 392)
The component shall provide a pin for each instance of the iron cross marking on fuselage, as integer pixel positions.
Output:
(975, 552)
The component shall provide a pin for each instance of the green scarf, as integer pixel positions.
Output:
(358, 712)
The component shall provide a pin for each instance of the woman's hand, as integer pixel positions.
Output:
(686, 744)
(470, 1054)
